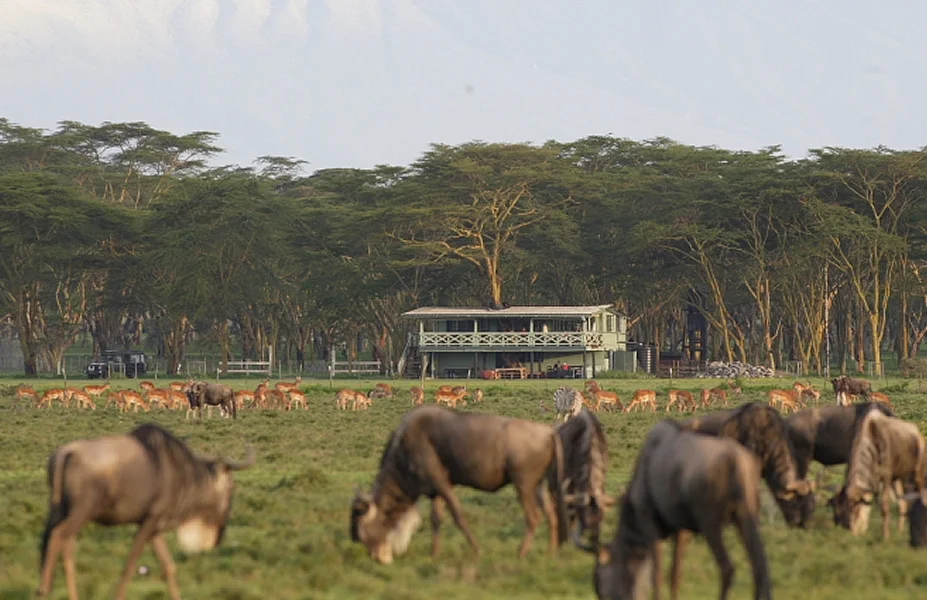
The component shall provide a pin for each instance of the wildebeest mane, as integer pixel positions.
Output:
(585, 458)
(179, 470)
(865, 456)
(760, 429)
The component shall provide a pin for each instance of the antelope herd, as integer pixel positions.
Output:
(691, 477)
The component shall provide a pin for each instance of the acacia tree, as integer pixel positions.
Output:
(51, 239)
(863, 200)
(213, 245)
(472, 203)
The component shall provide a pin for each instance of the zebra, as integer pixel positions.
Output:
(569, 403)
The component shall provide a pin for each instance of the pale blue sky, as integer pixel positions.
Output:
(355, 83)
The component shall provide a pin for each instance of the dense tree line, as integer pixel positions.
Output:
(124, 231)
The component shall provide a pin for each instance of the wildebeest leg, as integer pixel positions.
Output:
(550, 511)
(680, 539)
(886, 498)
(167, 565)
(656, 573)
(141, 538)
(529, 504)
(437, 513)
(715, 540)
(454, 504)
(70, 572)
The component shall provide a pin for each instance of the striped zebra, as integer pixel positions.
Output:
(569, 403)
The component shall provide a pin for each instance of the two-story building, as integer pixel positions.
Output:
(519, 341)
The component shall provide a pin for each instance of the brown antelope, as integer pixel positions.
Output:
(477, 396)
(26, 393)
(418, 396)
(177, 386)
(115, 398)
(806, 390)
(361, 401)
(286, 386)
(260, 395)
(881, 399)
(343, 397)
(82, 399)
(161, 396)
(682, 400)
(643, 399)
(51, 395)
(298, 400)
(714, 393)
(96, 390)
(451, 398)
(386, 389)
(133, 400)
(733, 387)
(609, 399)
(277, 399)
(242, 396)
(178, 400)
(785, 400)
(146, 385)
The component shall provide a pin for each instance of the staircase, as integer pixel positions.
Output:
(410, 364)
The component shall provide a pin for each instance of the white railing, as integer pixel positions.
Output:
(513, 339)
(249, 367)
(358, 366)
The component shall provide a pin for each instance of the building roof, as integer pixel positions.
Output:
(447, 312)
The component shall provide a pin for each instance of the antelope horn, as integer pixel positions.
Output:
(234, 465)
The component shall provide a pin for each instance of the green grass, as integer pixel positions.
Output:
(288, 535)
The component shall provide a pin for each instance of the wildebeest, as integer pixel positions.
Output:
(887, 458)
(683, 482)
(147, 477)
(826, 434)
(201, 394)
(847, 386)
(585, 458)
(435, 448)
(760, 429)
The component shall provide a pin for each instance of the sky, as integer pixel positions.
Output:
(356, 83)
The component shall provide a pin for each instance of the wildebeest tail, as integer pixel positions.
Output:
(232, 408)
(555, 485)
(58, 503)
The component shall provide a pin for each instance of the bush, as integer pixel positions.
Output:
(623, 375)
(914, 368)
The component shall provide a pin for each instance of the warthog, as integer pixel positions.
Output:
(683, 482)
(435, 448)
(760, 429)
(585, 452)
(887, 459)
(826, 434)
(147, 477)
(201, 394)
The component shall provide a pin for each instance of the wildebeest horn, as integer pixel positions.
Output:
(579, 543)
(235, 465)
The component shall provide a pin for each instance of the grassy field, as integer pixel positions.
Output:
(288, 535)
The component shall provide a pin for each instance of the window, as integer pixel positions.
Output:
(462, 325)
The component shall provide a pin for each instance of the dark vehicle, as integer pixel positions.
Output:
(130, 363)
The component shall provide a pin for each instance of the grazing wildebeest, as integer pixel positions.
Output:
(760, 429)
(585, 458)
(683, 482)
(201, 394)
(844, 387)
(147, 477)
(887, 458)
(826, 434)
(435, 448)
